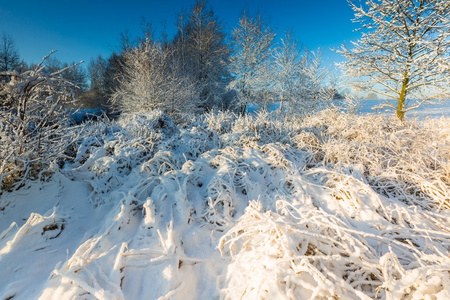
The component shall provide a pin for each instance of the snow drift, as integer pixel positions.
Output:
(331, 206)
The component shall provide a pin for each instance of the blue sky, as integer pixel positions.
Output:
(82, 29)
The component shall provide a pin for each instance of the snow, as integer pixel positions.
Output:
(263, 206)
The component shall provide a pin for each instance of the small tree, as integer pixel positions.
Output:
(404, 51)
(315, 85)
(288, 64)
(300, 77)
(152, 80)
(252, 43)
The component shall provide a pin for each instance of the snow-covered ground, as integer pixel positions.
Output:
(333, 206)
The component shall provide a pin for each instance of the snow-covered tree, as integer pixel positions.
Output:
(152, 80)
(300, 78)
(200, 44)
(252, 43)
(33, 127)
(403, 53)
(315, 87)
(288, 63)
(9, 56)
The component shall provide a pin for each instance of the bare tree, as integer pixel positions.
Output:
(75, 73)
(95, 96)
(9, 56)
(252, 43)
(403, 53)
(200, 44)
(96, 73)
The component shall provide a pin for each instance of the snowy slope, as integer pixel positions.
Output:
(334, 206)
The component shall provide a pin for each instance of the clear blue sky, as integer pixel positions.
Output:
(82, 29)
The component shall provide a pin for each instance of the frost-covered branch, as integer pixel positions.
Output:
(34, 117)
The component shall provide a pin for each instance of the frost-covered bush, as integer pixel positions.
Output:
(153, 79)
(34, 124)
(406, 160)
(220, 121)
(149, 124)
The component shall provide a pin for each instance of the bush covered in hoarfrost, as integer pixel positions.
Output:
(407, 161)
(34, 124)
(331, 206)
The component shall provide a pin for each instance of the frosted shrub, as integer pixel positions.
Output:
(110, 150)
(149, 124)
(258, 129)
(220, 121)
(293, 256)
(153, 79)
(406, 160)
(34, 126)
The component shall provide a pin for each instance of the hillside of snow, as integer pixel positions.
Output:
(266, 206)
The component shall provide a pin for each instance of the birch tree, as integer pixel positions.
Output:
(403, 53)
(252, 43)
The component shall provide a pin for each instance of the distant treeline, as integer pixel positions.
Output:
(202, 67)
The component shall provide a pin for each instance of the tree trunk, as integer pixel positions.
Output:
(243, 109)
(281, 103)
(402, 98)
(400, 112)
